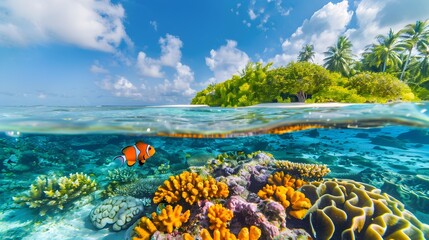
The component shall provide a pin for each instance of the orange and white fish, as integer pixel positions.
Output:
(138, 152)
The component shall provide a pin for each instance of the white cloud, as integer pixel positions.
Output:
(154, 24)
(321, 30)
(170, 56)
(170, 50)
(98, 69)
(252, 14)
(226, 61)
(149, 67)
(181, 84)
(121, 87)
(88, 24)
(377, 17)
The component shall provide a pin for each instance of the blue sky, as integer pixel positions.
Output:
(105, 52)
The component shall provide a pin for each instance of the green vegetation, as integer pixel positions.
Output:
(395, 68)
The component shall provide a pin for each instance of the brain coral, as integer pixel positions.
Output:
(119, 211)
(352, 210)
(191, 187)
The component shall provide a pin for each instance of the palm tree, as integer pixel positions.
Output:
(413, 35)
(306, 54)
(339, 56)
(423, 57)
(386, 51)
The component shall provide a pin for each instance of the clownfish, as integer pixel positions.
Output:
(138, 152)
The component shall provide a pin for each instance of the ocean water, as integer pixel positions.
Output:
(386, 146)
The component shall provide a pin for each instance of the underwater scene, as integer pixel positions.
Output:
(274, 171)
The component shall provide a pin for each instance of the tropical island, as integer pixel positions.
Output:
(395, 68)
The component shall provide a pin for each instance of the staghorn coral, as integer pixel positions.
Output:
(119, 211)
(293, 201)
(53, 193)
(352, 210)
(122, 175)
(305, 171)
(286, 180)
(190, 187)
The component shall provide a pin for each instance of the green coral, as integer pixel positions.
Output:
(122, 175)
(53, 193)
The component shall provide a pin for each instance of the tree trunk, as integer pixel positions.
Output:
(406, 64)
(301, 96)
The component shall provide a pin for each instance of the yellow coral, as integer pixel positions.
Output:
(219, 216)
(191, 187)
(306, 171)
(170, 218)
(144, 229)
(225, 234)
(293, 201)
(282, 179)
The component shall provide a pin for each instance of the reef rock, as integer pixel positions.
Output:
(120, 212)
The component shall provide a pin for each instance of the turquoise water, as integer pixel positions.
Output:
(386, 146)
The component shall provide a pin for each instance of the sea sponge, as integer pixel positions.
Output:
(295, 203)
(119, 211)
(352, 210)
(282, 179)
(53, 193)
(305, 171)
(191, 187)
(219, 216)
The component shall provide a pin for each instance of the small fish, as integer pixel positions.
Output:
(138, 152)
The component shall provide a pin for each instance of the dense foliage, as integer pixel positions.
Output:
(395, 68)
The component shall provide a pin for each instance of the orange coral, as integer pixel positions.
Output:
(170, 219)
(191, 187)
(225, 234)
(144, 229)
(219, 216)
(293, 201)
(282, 179)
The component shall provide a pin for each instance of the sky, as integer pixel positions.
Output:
(139, 52)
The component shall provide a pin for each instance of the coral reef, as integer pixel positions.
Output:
(122, 175)
(53, 193)
(286, 180)
(219, 216)
(351, 210)
(120, 212)
(190, 187)
(142, 188)
(293, 201)
(168, 220)
(309, 172)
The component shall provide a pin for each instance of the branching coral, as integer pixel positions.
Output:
(169, 219)
(305, 171)
(353, 210)
(225, 234)
(219, 216)
(286, 180)
(293, 201)
(53, 193)
(191, 187)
